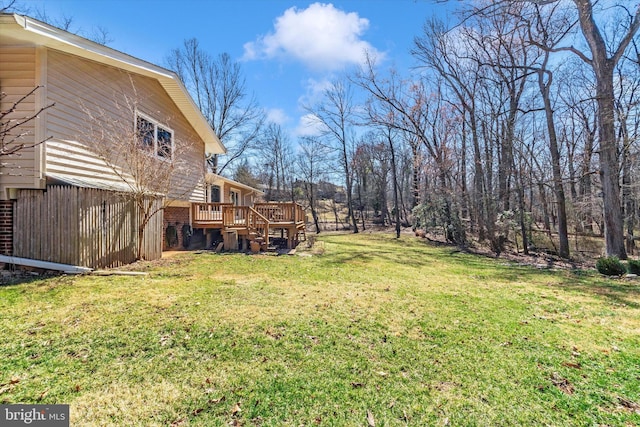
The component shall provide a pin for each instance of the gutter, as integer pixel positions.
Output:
(46, 265)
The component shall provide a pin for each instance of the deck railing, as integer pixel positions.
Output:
(208, 212)
(281, 212)
(229, 215)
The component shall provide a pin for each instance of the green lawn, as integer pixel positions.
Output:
(374, 330)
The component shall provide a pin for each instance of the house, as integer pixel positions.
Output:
(64, 200)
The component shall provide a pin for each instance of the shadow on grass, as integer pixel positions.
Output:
(617, 291)
(12, 278)
(414, 253)
(379, 252)
(582, 281)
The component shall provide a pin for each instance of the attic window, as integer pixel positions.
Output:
(154, 137)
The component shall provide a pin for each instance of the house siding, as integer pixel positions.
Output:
(76, 86)
(17, 78)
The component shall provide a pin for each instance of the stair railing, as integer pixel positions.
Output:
(259, 222)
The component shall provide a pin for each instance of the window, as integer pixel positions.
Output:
(234, 195)
(215, 194)
(154, 137)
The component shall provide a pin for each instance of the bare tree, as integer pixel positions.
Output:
(436, 50)
(548, 29)
(408, 107)
(98, 34)
(311, 165)
(219, 88)
(150, 167)
(10, 6)
(604, 57)
(275, 152)
(581, 130)
(604, 53)
(336, 115)
(12, 125)
(627, 104)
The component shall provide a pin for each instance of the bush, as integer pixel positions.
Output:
(634, 266)
(610, 266)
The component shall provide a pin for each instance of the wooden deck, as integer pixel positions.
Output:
(261, 219)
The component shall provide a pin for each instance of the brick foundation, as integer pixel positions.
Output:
(176, 217)
(6, 227)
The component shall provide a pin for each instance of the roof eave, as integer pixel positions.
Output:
(210, 177)
(55, 38)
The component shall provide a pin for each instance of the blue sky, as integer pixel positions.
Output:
(288, 49)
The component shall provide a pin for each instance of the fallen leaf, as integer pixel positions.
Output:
(629, 404)
(216, 401)
(43, 394)
(357, 385)
(197, 411)
(236, 409)
(370, 420)
(562, 383)
(572, 365)
(77, 387)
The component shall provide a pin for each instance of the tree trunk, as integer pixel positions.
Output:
(545, 208)
(349, 183)
(558, 188)
(395, 184)
(586, 183)
(609, 165)
(415, 184)
(627, 198)
(603, 68)
(312, 206)
(478, 179)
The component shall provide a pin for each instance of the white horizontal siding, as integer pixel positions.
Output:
(78, 86)
(17, 78)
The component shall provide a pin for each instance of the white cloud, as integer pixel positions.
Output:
(277, 116)
(314, 92)
(309, 125)
(320, 36)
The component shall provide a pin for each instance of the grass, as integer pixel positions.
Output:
(397, 330)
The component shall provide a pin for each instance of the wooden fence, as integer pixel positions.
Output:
(82, 226)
